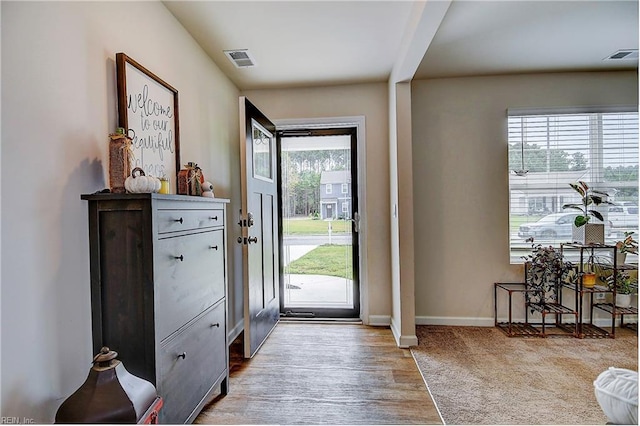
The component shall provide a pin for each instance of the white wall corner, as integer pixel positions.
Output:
(425, 20)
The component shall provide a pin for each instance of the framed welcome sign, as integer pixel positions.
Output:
(148, 111)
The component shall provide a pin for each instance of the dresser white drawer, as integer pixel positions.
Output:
(185, 220)
(190, 362)
(189, 277)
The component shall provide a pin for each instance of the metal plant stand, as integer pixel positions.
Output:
(526, 328)
(586, 327)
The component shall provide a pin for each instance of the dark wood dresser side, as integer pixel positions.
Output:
(159, 293)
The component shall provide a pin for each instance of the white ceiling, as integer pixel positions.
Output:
(311, 43)
(498, 37)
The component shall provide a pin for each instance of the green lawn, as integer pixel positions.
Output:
(314, 227)
(516, 221)
(329, 259)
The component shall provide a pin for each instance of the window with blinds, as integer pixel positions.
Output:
(547, 151)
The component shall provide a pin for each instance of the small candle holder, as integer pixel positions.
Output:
(165, 185)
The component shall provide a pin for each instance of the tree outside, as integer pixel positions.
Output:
(539, 159)
(301, 178)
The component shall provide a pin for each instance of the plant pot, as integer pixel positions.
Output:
(623, 300)
(590, 233)
(588, 279)
(620, 258)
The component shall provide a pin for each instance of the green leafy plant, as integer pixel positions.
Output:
(629, 244)
(545, 268)
(590, 197)
(623, 283)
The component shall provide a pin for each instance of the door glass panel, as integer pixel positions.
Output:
(317, 228)
(262, 145)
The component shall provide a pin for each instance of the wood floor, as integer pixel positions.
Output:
(309, 373)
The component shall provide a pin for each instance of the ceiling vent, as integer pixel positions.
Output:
(241, 58)
(624, 54)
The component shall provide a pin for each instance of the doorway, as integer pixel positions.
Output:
(318, 207)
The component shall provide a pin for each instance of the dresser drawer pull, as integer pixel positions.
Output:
(214, 218)
(183, 355)
(216, 325)
(213, 247)
(178, 220)
(180, 258)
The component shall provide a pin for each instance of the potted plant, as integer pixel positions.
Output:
(544, 268)
(628, 245)
(583, 231)
(593, 270)
(624, 286)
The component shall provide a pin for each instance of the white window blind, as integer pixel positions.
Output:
(549, 151)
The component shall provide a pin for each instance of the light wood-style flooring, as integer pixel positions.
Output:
(311, 373)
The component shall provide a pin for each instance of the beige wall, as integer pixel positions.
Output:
(58, 107)
(461, 204)
(370, 101)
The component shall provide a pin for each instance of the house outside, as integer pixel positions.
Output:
(335, 194)
(538, 193)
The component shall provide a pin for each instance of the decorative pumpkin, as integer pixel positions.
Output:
(141, 183)
(207, 186)
(207, 189)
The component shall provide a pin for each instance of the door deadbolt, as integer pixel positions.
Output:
(250, 240)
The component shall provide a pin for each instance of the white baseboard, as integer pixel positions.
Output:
(395, 331)
(408, 341)
(467, 321)
(235, 331)
(379, 320)
(405, 341)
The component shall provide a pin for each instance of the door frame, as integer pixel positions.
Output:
(357, 122)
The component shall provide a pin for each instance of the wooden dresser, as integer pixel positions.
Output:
(158, 293)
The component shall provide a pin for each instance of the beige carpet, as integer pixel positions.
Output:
(478, 375)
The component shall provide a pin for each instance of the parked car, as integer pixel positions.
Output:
(625, 216)
(551, 226)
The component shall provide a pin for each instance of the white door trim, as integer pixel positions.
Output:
(359, 123)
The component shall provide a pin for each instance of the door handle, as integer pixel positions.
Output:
(252, 240)
(356, 221)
